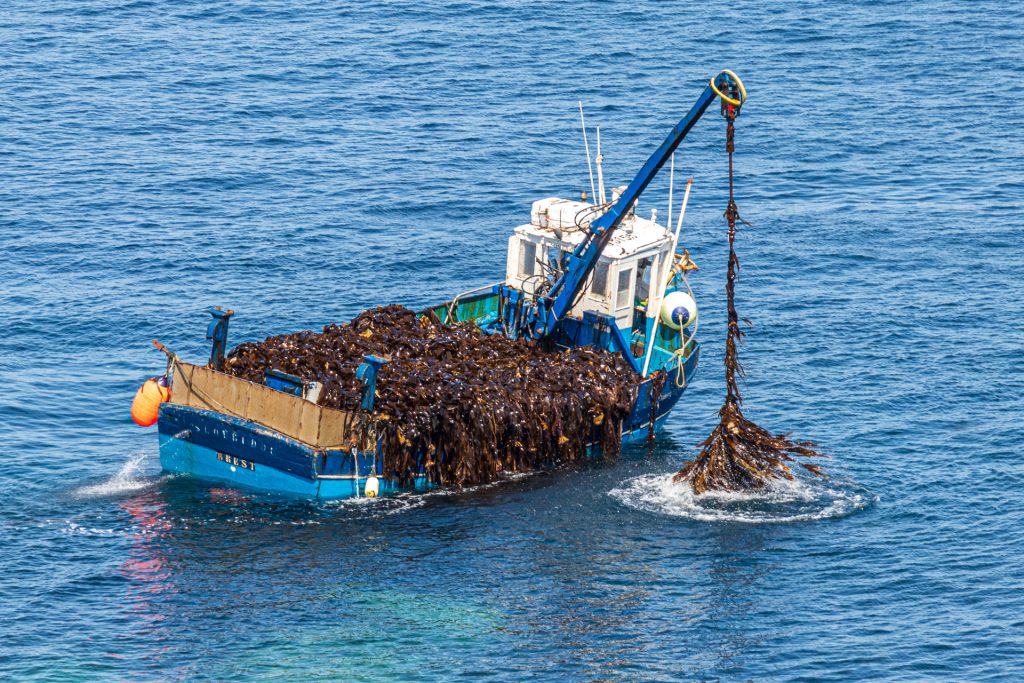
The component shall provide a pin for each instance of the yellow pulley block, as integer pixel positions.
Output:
(739, 85)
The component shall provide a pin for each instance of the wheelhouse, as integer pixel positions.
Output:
(639, 254)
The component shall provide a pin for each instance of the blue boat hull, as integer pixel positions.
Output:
(218, 447)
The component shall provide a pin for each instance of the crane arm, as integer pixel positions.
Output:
(583, 260)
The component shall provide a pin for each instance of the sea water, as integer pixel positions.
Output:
(299, 162)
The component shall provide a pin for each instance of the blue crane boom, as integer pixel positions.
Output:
(563, 294)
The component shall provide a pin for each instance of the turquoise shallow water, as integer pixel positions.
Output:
(299, 162)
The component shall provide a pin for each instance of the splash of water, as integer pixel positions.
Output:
(781, 501)
(127, 480)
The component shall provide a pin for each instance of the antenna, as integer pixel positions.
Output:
(600, 171)
(586, 146)
(671, 178)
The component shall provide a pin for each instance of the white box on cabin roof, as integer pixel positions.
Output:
(564, 214)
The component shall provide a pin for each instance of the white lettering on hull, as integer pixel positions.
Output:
(234, 437)
(237, 462)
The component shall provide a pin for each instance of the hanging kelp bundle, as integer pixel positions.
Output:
(740, 455)
(453, 402)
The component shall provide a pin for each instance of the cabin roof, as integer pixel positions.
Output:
(634, 236)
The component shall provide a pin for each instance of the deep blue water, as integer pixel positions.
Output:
(301, 161)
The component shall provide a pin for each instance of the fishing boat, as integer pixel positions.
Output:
(587, 272)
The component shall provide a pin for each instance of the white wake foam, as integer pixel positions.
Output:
(388, 504)
(403, 501)
(782, 501)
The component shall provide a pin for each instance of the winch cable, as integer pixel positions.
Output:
(730, 111)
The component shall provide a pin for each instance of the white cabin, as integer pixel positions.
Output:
(637, 255)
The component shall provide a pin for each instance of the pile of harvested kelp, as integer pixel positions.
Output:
(458, 403)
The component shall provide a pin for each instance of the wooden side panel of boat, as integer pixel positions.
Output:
(321, 428)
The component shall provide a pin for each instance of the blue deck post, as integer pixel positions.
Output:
(218, 332)
(367, 373)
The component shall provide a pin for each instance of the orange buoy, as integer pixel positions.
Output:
(146, 405)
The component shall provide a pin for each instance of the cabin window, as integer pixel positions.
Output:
(527, 258)
(622, 293)
(643, 280)
(665, 262)
(600, 285)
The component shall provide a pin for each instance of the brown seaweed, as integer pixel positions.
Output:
(739, 455)
(453, 401)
